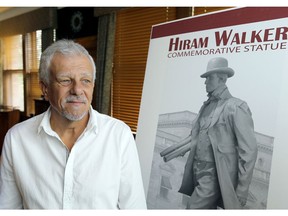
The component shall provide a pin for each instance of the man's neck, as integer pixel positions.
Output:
(68, 131)
(218, 91)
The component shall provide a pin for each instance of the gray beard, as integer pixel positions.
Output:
(72, 117)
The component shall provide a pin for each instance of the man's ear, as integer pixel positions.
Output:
(44, 89)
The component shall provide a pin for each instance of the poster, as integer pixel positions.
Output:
(254, 41)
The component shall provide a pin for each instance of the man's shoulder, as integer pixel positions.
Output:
(23, 133)
(28, 125)
(233, 103)
(106, 120)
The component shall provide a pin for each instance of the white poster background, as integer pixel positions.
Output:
(174, 84)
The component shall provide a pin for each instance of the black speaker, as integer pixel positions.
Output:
(76, 22)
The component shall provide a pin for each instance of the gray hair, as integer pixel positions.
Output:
(66, 48)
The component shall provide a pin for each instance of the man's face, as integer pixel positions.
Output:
(71, 86)
(212, 82)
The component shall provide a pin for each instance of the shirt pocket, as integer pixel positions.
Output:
(226, 149)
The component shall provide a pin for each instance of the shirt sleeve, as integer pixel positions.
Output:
(131, 194)
(10, 197)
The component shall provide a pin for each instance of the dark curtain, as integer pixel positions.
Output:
(47, 38)
(104, 62)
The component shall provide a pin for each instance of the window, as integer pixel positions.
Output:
(15, 90)
(133, 27)
(33, 50)
(13, 94)
(13, 57)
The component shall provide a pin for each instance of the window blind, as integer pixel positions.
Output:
(13, 91)
(12, 55)
(33, 50)
(203, 10)
(133, 27)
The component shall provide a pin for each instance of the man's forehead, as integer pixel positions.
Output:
(70, 74)
(60, 61)
(212, 75)
(71, 65)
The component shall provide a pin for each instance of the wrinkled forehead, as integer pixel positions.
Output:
(72, 60)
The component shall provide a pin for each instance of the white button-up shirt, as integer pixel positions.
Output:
(102, 170)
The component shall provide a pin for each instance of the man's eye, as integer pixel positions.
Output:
(87, 81)
(65, 82)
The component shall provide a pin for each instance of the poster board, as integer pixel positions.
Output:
(254, 40)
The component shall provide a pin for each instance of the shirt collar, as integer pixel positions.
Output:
(92, 123)
(45, 123)
(218, 92)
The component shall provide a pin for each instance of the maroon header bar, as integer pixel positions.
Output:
(217, 20)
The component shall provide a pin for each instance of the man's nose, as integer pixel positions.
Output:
(76, 88)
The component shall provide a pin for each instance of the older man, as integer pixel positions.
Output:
(223, 150)
(71, 156)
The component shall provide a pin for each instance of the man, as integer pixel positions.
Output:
(223, 150)
(71, 156)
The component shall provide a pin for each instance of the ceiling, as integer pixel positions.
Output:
(8, 12)
(3, 9)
